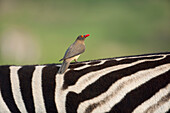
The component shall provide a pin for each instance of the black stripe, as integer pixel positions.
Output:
(76, 65)
(6, 90)
(168, 111)
(140, 94)
(48, 85)
(25, 77)
(104, 82)
(94, 62)
(72, 76)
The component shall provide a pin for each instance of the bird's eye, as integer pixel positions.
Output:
(82, 36)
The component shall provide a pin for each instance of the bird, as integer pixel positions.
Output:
(73, 52)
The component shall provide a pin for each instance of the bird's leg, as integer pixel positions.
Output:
(75, 60)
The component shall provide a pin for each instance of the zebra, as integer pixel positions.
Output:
(130, 84)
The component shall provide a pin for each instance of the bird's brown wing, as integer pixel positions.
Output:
(74, 50)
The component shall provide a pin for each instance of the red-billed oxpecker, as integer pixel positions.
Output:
(73, 52)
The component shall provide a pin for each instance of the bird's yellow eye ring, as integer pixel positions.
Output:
(82, 36)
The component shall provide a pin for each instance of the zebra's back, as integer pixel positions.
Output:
(122, 85)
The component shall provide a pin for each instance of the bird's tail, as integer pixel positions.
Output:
(64, 67)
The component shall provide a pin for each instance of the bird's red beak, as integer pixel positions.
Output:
(86, 35)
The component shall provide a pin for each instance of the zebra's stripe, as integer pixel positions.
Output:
(94, 89)
(93, 76)
(90, 64)
(152, 103)
(72, 76)
(137, 94)
(6, 90)
(138, 56)
(48, 85)
(164, 108)
(37, 90)
(16, 88)
(76, 65)
(159, 104)
(60, 95)
(3, 106)
(25, 77)
(94, 62)
(119, 89)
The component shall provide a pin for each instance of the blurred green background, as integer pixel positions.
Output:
(40, 31)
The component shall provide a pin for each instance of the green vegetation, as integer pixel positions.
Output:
(117, 27)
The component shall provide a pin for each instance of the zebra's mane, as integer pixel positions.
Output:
(129, 56)
(95, 61)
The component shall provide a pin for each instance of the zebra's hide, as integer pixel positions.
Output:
(132, 84)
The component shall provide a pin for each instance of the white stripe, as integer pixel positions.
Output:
(58, 65)
(132, 57)
(120, 88)
(164, 108)
(87, 65)
(91, 77)
(37, 90)
(3, 106)
(153, 100)
(60, 94)
(82, 67)
(16, 88)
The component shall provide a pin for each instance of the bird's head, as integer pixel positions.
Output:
(82, 37)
